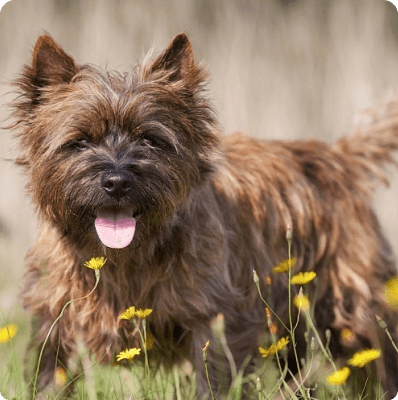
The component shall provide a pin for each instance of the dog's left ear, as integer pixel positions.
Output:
(177, 61)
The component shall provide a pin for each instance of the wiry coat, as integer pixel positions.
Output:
(210, 209)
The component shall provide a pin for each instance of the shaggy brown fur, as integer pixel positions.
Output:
(208, 208)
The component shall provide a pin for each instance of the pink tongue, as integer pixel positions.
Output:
(115, 229)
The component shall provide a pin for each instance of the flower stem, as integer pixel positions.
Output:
(34, 392)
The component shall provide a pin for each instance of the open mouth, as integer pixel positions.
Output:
(115, 227)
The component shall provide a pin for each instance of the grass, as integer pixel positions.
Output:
(319, 376)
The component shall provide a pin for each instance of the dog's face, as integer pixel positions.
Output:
(112, 156)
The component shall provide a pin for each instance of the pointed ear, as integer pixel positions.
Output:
(50, 64)
(177, 60)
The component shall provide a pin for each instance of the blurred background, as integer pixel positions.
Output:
(280, 69)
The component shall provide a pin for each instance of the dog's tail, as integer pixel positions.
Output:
(372, 145)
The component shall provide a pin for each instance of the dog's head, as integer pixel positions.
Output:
(118, 153)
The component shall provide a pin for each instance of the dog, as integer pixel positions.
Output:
(134, 167)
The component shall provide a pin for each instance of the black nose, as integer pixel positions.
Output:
(117, 184)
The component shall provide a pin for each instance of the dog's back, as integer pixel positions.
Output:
(324, 193)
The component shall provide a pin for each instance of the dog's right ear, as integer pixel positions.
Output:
(50, 64)
(177, 58)
(177, 64)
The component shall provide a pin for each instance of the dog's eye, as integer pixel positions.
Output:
(157, 142)
(148, 141)
(79, 144)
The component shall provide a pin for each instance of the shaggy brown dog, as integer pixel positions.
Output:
(133, 167)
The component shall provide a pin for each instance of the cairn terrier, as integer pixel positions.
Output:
(133, 167)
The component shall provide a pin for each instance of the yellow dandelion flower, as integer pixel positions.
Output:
(301, 302)
(285, 265)
(128, 354)
(268, 280)
(128, 314)
(339, 377)
(363, 357)
(391, 292)
(302, 278)
(281, 343)
(206, 346)
(132, 312)
(348, 335)
(60, 377)
(143, 313)
(264, 352)
(95, 263)
(274, 348)
(7, 333)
